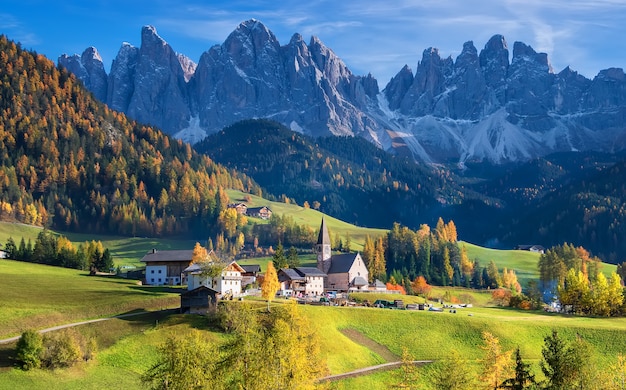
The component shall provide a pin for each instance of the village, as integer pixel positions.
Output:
(331, 282)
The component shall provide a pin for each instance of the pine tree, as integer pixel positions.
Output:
(279, 259)
(293, 260)
(29, 349)
(523, 377)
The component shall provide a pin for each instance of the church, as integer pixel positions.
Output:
(345, 272)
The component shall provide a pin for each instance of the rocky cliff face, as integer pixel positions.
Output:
(89, 69)
(477, 106)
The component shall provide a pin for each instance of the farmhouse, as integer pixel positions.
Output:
(531, 248)
(345, 272)
(304, 281)
(251, 271)
(166, 267)
(259, 212)
(228, 283)
(240, 207)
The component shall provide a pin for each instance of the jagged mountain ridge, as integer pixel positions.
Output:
(480, 106)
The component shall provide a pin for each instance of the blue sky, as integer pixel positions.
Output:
(371, 36)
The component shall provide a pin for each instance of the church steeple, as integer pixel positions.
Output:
(322, 248)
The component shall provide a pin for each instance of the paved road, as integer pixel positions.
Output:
(369, 370)
(13, 339)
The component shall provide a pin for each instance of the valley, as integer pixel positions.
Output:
(425, 186)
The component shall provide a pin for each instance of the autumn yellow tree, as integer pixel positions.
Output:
(497, 365)
(270, 284)
(199, 254)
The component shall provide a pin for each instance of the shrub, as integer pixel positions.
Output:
(501, 296)
(29, 349)
(61, 349)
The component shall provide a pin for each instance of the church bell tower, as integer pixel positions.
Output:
(322, 249)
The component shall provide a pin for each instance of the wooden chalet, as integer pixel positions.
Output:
(240, 207)
(259, 212)
(200, 300)
(531, 248)
(249, 274)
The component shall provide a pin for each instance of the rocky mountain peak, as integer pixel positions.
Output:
(398, 86)
(524, 52)
(188, 66)
(89, 69)
(494, 62)
(477, 106)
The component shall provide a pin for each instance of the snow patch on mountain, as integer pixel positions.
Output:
(193, 133)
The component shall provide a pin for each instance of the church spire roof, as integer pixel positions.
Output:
(323, 237)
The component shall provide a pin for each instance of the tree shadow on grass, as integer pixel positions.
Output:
(159, 289)
(7, 354)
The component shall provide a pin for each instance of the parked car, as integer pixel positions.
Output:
(382, 303)
(284, 293)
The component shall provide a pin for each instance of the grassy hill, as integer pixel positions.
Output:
(427, 335)
(310, 217)
(40, 296)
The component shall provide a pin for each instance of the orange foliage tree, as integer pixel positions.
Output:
(421, 287)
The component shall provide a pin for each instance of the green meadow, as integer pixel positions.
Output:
(40, 296)
(128, 347)
(312, 218)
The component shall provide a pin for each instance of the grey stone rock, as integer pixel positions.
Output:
(89, 69)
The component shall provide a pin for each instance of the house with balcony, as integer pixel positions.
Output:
(303, 281)
(227, 283)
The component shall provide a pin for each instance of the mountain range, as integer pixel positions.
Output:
(480, 106)
(72, 163)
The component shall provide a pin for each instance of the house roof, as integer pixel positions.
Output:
(197, 267)
(161, 256)
(251, 268)
(200, 289)
(323, 237)
(342, 263)
(530, 247)
(289, 274)
(309, 271)
(359, 281)
(257, 209)
(378, 284)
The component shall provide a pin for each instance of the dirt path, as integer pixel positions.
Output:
(393, 361)
(365, 341)
(370, 370)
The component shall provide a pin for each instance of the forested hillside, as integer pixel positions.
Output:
(590, 211)
(69, 162)
(348, 178)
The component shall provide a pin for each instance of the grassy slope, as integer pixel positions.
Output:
(312, 218)
(39, 296)
(523, 262)
(427, 335)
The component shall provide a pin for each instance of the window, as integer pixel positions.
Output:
(159, 271)
(159, 280)
(152, 280)
(152, 271)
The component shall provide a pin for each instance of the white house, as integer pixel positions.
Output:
(304, 281)
(165, 267)
(228, 283)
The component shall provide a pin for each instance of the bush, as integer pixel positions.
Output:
(29, 349)
(61, 350)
